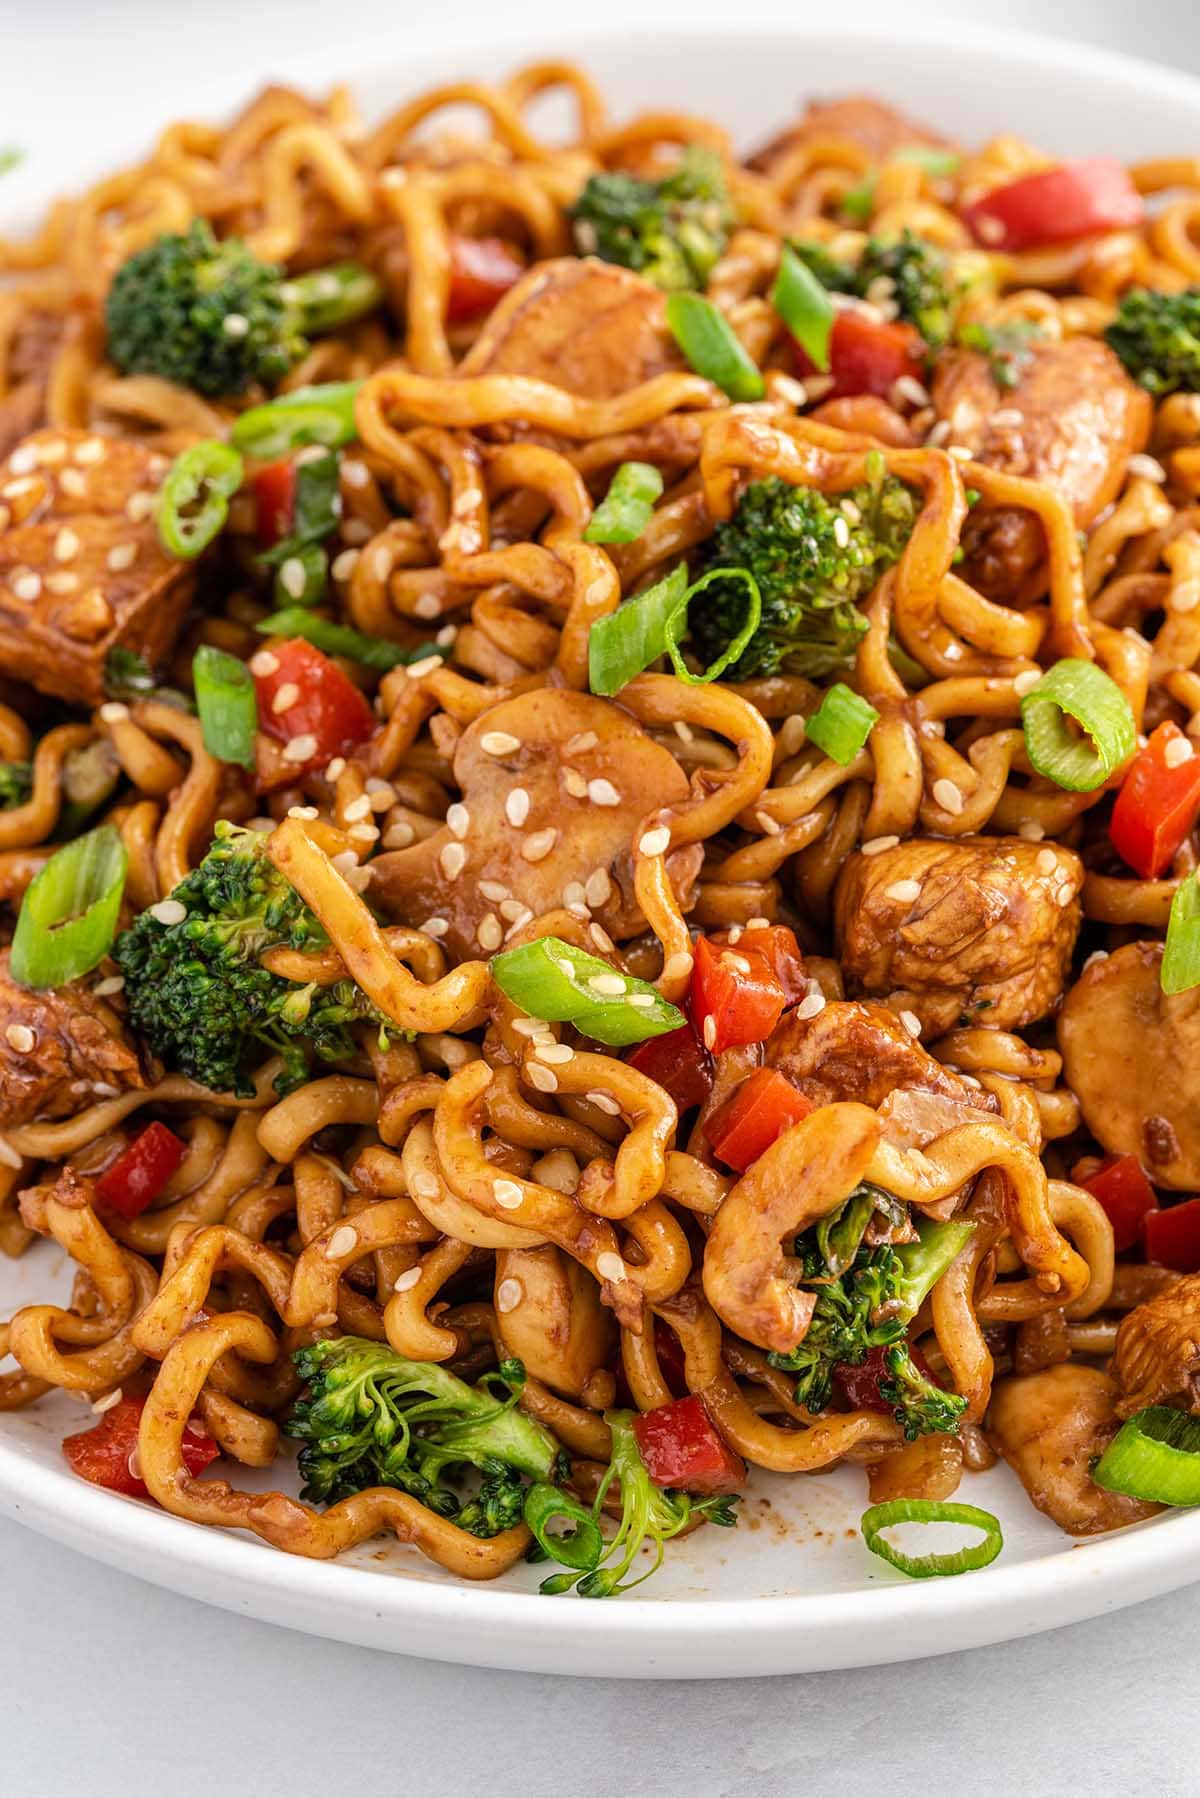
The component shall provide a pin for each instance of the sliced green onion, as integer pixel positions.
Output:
(550, 979)
(69, 913)
(1180, 969)
(341, 640)
(322, 414)
(194, 502)
(932, 1510)
(581, 1548)
(1156, 1456)
(1078, 690)
(302, 576)
(326, 298)
(841, 723)
(227, 704)
(316, 506)
(651, 624)
(804, 306)
(712, 346)
(858, 202)
(628, 506)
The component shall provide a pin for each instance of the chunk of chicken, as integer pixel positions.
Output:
(1127, 1057)
(869, 123)
(551, 1317)
(1073, 420)
(588, 326)
(1050, 1427)
(59, 1048)
(1157, 1357)
(81, 568)
(977, 930)
(553, 784)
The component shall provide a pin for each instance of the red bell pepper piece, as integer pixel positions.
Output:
(778, 947)
(275, 501)
(1073, 200)
(105, 1454)
(482, 269)
(859, 1386)
(735, 995)
(139, 1174)
(682, 1447)
(763, 1107)
(1172, 1236)
(328, 707)
(867, 355)
(1121, 1186)
(1158, 803)
(679, 1062)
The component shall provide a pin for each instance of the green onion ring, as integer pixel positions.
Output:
(1079, 690)
(194, 502)
(227, 704)
(932, 1510)
(650, 625)
(1155, 1455)
(323, 414)
(628, 506)
(841, 723)
(712, 346)
(68, 916)
(553, 980)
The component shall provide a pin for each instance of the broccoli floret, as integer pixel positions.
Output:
(212, 317)
(198, 992)
(16, 784)
(917, 271)
(871, 1307)
(372, 1418)
(1157, 337)
(814, 557)
(672, 231)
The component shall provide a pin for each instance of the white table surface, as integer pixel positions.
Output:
(113, 1689)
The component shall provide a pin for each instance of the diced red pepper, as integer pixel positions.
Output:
(859, 1385)
(735, 996)
(1172, 1236)
(868, 355)
(1073, 200)
(328, 707)
(682, 1447)
(139, 1174)
(762, 1108)
(1121, 1186)
(275, 501)
(679, 1062)
(779, 949)
(1158, 803)
(105, 1454)
(482, 269)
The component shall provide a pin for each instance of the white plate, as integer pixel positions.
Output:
(792, 1588)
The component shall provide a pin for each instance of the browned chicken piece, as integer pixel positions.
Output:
(59, 1048)
(588, 326)
(1127, 1057)
(1157, 1357)
(551, 1317)
(979, 930)
(869, 123)
(81, 568)
(553, 785)
(1073, 420)
(1050, 1427)
(30, 356)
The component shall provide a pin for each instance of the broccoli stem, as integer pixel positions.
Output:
(925, 1261)
(326, 298)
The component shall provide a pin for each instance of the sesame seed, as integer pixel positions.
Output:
(490, 932)
(72, 482)
(767, 824)
(877, 845)
(601, 938)
(107, 1400)
(169, 911)
(516, 807)
(709, 1032)
(641, 1000)
(363, 833)
(453, 859)
(445, 637)
(507, 1194)
(335, 768)
(903, 891)
(684, 731)
(1065, 894)
(292, 577)
(1031, 830)
(960, 452)
(545, 1079)
(139, 506)
(62, 582)
(425, 1185)
(15, 489)
(907, 387)
(285, 697)
(911, 1022)
(1008, 418)
(356, 531)
(756, 924)
(809, 1007)
(435, 927)
(343, 1242)
(91, 450)
(66, 544)
(509, 1294)
(1178, 751)
(426, 665)
(112, 983)
(343, 565)
(27, 586)
(113, 712)
(678, 966)
(307, 813)
(122, 556)
(610, 985)
(345, 859)
(610, 1267)
(573, 893)
(235, 324)
(538, 844)
(1046, 862)
(20, 1037)
(264, 663)
(598, 888)
(603, 1102)
(24, 460)
(355, 474)
(532, 1027)
(602, 792)
(510, 909)
(493, 890)
(841, 532)
(412, 1275)
(849, 510)
(580, 743)
(381, 795)
(948, 796)
(398, 835)
(357, 809)
(575, 783)
(458, 820)
(738, 963)
(1146, 468)
(360, 878)
(656, 842)
(426, 605)
(300, 749)
(498, 742)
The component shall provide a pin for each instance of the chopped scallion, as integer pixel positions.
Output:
(1155, 1455)
(551, 979)
(68, 916)
(1180, 969)
(1081, 691)
(931, 1510)
(341, 640)
(628, 506)
(226, 702)
(712, 346)
(841, 723)
(804, 306)
(651, 625)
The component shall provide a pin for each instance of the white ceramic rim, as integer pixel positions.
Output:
(635, 1637)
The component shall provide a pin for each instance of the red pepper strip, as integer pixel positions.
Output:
(139, 1174)
(867, 355)
(735, 996)
(779, 948)
(1073, 200)
(680, 1064)
(1172, 1236)
(859, 1385)
(328, 707)
(1158, 803)
(482, 269)
(682, 1448)
(762, 1108)
(275, 501)
(1122, 1188)
(105, 1454)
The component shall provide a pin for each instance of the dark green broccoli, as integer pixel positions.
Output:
(198, 992)
(16, 784)
(1008, 347)
(1157, 337)
(672, 231)
(212, 317)
(916, 270)
(869, 1309)
(372, 1418)
(814, 557)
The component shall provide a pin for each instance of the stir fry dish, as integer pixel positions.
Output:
(598, 802)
